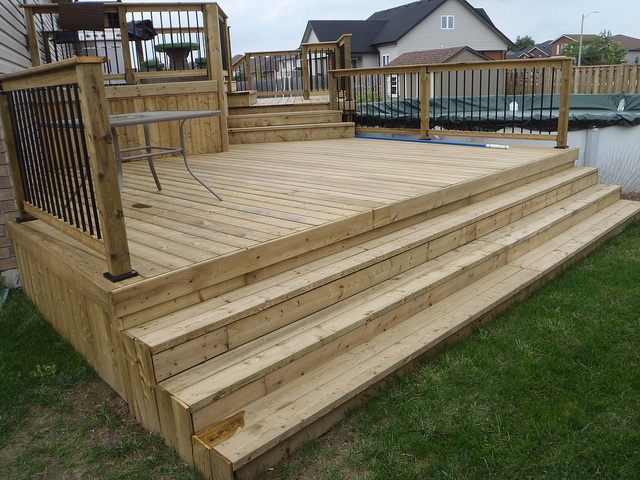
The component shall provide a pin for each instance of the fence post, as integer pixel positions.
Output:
(93, 105)
(425, 88)
(32, 36)
(304, 53)
(565, 99)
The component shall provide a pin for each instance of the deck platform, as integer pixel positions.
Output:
(328, 265)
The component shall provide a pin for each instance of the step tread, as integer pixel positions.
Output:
(289, 409)
(168, 330)
(301, 113)
(199, 385)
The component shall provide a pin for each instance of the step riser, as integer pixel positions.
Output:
(246, 326)
(292, 133)
(261, 120)
(389, 313)
(282, 109)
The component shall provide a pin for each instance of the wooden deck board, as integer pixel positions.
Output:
(274, 191)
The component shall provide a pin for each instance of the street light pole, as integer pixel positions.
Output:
(581, 32)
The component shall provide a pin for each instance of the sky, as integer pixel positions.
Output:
(263, 25)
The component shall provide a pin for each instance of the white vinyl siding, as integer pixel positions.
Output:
(13, 41)
(470, 30)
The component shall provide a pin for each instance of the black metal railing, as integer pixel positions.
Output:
(503, 99)
(52, 154)
(139, 41)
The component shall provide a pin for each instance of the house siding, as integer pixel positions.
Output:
(15, 56)
(469, 30)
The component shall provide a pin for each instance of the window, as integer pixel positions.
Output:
(393, 86)
(446, 22)
(385, 60)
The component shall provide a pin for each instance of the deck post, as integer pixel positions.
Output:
(425, 87)
(215, 66)
(32, 37)
(334, 80)
(565, 99)
(93, 105)
(304, 53)
(129, 77)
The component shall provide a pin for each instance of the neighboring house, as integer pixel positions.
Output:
(15, 56)
(632, 46)
(440, 55)
(417, 26)
(558, 44)
(539, 50)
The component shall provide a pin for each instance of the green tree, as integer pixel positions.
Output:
(601, 50)
(523, 43)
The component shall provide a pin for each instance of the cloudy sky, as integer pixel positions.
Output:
(263, 25)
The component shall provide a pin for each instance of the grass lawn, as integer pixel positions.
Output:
(550, 389)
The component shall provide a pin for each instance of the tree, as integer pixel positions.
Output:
(601, 50)
(523, 43)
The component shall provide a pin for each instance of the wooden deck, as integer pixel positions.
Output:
(284, 190)
(256, 321)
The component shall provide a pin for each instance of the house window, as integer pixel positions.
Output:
(393, 86)
(385, 60)
(446, 22)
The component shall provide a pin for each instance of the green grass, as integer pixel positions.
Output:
(58, 420)
(548, 390)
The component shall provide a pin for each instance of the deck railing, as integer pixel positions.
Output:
(62, 157)
(527, 99)
(292, 72)
(146, 42)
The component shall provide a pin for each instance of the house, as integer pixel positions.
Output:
(558, 44)
(440, 55)
(632, 46)
(417, 26)
(539, 50)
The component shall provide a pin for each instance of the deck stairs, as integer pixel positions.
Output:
(252, 122)
(243, 378)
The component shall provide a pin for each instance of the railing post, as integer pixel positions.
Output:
(215, 66)
(347, 50)
(425, 88)
(333, 90)
(248, 71)
(304, 53)
(126, 50)
(565, 100)
(93, 105)
(32, 36)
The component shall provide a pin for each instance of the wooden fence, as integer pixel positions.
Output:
(607, 79)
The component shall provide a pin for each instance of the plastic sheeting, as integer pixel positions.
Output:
(493, 113)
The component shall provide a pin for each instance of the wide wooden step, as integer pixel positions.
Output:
(279, 107)
(185, 338)
(276, 358)
(266, 428)
(285, 118)
(291, 133)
